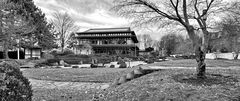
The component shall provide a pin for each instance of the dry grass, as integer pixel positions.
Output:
(63, 95)
(193, 63)
(178, 85)
(172, 84)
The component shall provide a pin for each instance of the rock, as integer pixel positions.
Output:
(75, 66)
(130, 75)
(28, 65)
(137, 72)
(80, 62)
(67, 65)
(115, 82)
(112, 66)
(142, 70)
(93, 66)
(123, 65)
(122, 79)
(61, 63)
(54, 64)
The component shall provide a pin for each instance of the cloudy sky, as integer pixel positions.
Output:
(91, 14)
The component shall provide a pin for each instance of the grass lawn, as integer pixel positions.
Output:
(193, 63)
(96, 75)
(172, 84)
(178, 85)
(76, 74)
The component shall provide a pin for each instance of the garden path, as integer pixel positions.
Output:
(162, 67)
(38, 84)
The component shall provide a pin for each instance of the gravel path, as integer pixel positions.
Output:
(38, 84)
(162, 67)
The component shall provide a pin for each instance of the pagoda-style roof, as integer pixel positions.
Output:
(96, 33)
(31, 46)
(104, 30)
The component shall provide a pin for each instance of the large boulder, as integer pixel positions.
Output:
(75, 66)
(130, 75)
(122, 65)
(28, 65)
(138, 72)
(61, 63)
(122, 79)
(115, 82)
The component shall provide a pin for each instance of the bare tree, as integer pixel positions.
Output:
(159, 12)
(147, 40)
(231, 25)
(64, 26)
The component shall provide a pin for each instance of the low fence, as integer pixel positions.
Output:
(229, 56)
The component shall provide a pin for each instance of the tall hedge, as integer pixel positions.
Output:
(13, 85)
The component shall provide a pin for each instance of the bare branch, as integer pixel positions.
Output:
(185, 12)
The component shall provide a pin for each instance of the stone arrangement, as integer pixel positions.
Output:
(131, 75)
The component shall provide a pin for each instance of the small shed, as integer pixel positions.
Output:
(32, 52)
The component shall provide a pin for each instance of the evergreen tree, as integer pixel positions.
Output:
(21, 19)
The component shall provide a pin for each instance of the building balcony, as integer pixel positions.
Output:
(113, 45)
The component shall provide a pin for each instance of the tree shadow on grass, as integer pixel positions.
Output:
(210, 79)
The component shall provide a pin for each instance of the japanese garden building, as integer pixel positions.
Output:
(111, 41)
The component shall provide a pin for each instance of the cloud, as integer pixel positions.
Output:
(86, 13)
(92, 14)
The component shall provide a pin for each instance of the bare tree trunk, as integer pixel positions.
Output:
(199, 52)
(5, 51)
(62, 44)
(236, 56)
(235, 47)
(201, 66)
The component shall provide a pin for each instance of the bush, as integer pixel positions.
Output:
(13, 85)
(54, 52)
(123, 65)
(46, 55)
(48, 62)
(51, 61)
(75, 66)
(76, 59)
(65, 52)
(93, 66)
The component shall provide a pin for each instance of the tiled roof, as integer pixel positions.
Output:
(121, 29)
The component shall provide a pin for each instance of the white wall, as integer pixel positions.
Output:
(35, 53)
(229, 56)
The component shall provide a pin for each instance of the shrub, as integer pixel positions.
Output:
(54, 52)
(77, 56)
(46, 55)
(93, 66)
(112, 66)
(66, 52)
(48, 62)
(75, 66)
(123, 65)
(13, 85)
